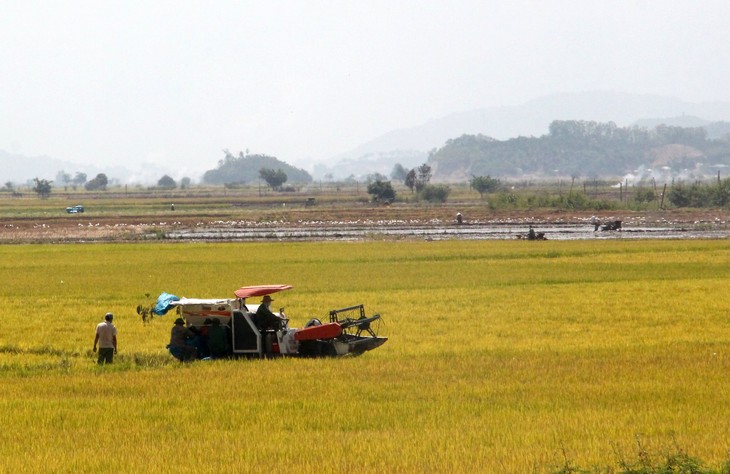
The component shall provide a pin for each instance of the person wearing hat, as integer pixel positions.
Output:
(179, 346)
(267, 322)
(265, 318)
(106, 338)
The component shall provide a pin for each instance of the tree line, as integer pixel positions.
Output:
(579, 148)
(43, 187)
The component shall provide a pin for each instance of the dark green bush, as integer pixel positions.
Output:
(434, 193)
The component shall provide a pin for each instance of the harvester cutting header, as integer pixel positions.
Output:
(216, 328)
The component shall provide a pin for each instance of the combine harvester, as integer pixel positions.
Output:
(348, 332)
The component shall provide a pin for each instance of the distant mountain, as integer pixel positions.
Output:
(20, 169)
(370, 163)
(529, 119)
(411, 146)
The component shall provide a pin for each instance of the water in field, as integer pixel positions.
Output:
(353, 231)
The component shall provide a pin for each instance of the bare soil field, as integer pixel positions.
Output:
(361, 222)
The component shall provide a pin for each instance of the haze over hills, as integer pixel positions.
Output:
(532, 119)
(20, 169)
(410, 146)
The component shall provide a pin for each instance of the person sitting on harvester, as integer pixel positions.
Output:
(265, 319)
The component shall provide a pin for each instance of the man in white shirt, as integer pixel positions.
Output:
(106, 338)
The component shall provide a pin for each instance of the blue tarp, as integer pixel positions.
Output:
(164, 303)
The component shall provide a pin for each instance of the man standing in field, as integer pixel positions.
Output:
(106, 338)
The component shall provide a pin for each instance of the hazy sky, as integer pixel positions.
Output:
(178, 81)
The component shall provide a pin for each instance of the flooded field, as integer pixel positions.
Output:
(369, 224)
(438, 230)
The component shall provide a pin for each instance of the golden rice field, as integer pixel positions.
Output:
(504, 356)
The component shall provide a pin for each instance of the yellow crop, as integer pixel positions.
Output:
(503, 357)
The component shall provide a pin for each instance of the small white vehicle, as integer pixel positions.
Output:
(77, 209)
(349, 331)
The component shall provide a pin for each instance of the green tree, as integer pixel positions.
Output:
(274, 178)
(381, 191)
(99, 183)
(434, 192)
(185, 183)
(166, 182)
(79, 179)
(484, 184)
(721, 193)
(424, 176)
(694, 195)
(410, 180)
(643, 195)
(63, 177)
(375, 177)
(42, 187)
(398, 173)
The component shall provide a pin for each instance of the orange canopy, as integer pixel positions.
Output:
(259, 290)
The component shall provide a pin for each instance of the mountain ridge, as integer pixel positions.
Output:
(410, 146)
(533, 117)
